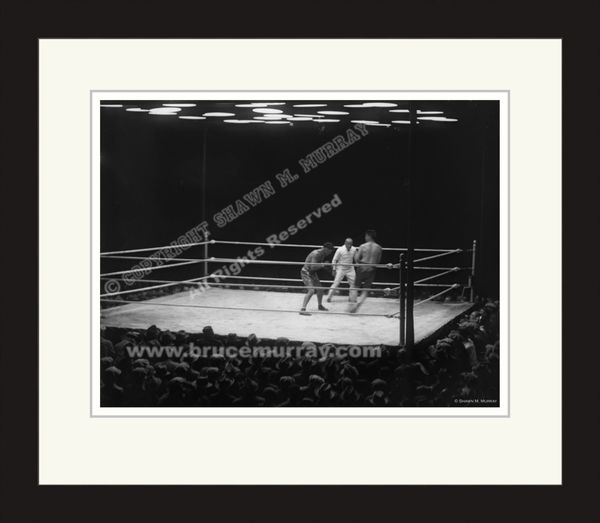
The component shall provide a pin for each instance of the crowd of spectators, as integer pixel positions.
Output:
(460, 369)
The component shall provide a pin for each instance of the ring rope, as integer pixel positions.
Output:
(167, 283)
(286, 279)
(158, 248)
(441, 268)
(397, 314)
(435, 295)
(282, 279)
(118, 293)
(118, 273)
(437, 275)
(307, 246)
(295, 311)
(277, 262)
(224, 242)
(394, 266)
(437, 255)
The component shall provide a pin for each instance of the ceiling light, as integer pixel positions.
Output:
(429, 112)
(192, 117)
(372, 104)
(400, 121)
(111, 105)
(300, 119)
(326, 120)
(271, 117)
(310, 115)
(218, 114)
(267, 110)
(380, 104)
(260, 104)
(371, 122)
(239, 121)
(332, 112)
(165, 111)
(137, 110)
(399, 111)
(277, 122)
(310, 105)
(438, 119)
(179, 105)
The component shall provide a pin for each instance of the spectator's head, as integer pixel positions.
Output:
(315, 381)
(141, 362)
(152, 332)
(348, 243)
(379, 385)
(111, 375)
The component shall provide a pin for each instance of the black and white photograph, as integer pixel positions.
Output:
(290, 253)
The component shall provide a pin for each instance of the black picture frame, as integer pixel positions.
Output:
(24, 22)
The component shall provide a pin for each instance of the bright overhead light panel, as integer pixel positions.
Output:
(437, 119)
(111, 105)
(372, 104)
(380, 104)
(137, 110)
(267, 110)
(398, 110)
(332, 112)
(326, 120)
(310, 115)
(192, 117)
(165, 111)
(179, 105)
(216, 114)
(429, 112)
(310, 105)
(259, 104)
(400, 121)
(239, 121)
(371, 123)
(272, 117)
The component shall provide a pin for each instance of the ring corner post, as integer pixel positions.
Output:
(206, 236)
(472, 275)
(205, 259)
(402, 296)
(410, 326)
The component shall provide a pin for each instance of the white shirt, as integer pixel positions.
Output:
(344, 257)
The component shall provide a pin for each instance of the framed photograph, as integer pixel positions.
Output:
(317, 268)
(242, 306)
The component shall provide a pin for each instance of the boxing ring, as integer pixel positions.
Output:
(269, 306)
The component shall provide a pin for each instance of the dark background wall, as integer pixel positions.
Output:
(151, 183)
